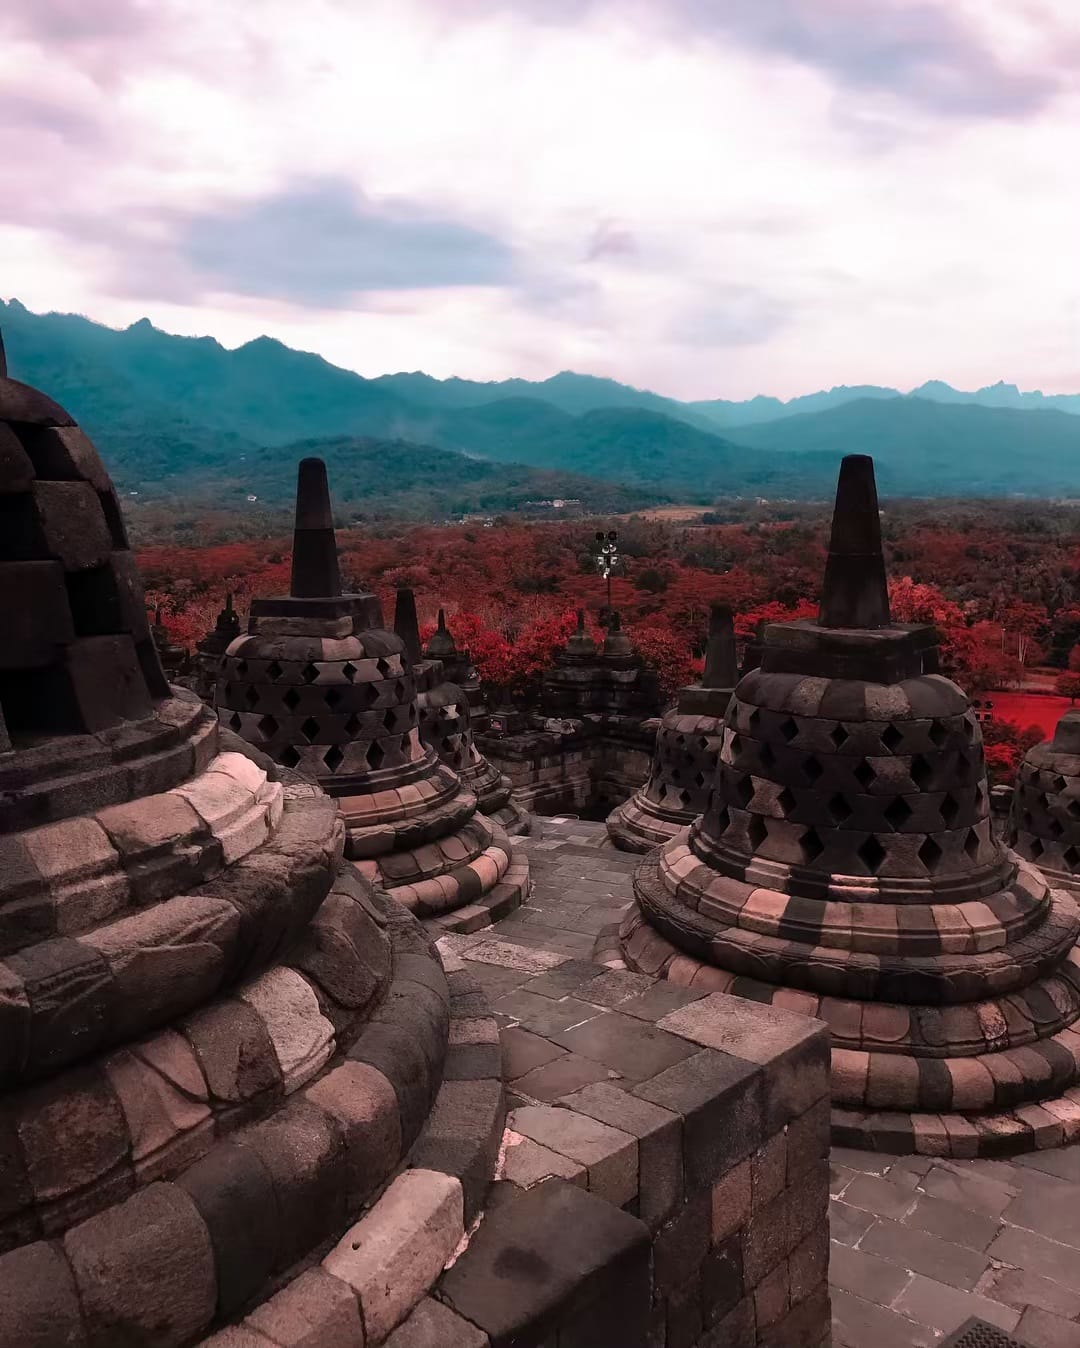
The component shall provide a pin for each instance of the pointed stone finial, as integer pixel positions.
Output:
(228, 603)
(442, 620)
(721, 667)
(855, 592)
(441, 645)
(406, 624)
(581, 620)
(315, 573)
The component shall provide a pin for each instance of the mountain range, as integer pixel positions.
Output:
(184, 417)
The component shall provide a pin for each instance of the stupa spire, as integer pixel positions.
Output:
(315, 571)
(855, 592)
(406, 624)
(721, 667)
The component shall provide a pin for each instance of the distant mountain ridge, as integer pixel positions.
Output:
(187, 411)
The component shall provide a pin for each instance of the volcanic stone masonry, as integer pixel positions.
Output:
(446, 718)
(1044, 822)
(591, 744)
(216, 1043)
(243, 1095)
(845, 867)
(320, 685)
(687, 750)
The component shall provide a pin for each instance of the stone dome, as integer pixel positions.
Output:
(846, 865)
(1044, 822)
(688, 747)
(196, 1099)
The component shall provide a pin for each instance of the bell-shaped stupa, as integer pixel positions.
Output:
(1044, 822)
(687, 750)
(217, 1042)
(210, 649)
(846, 867)
(321, 686)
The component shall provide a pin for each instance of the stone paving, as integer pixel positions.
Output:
(918, 1245)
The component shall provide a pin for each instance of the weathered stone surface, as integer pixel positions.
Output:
(315, 1310)
(364, 1105)
(144, 1270)
(394, 1254)
(433, 1325)
(39, 1306)
(302, 1037)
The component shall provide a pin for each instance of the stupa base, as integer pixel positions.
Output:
(635, 826)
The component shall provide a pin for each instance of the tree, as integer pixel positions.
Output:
(1068, 684)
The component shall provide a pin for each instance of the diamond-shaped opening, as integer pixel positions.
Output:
(684, 799)
(743, 790)
(1036, 849)
(757, 831)
(680, 741)
(864, 773)
(1072, 858)
(1055, 828)
(723, 819)
(291, 699)
(839, 735)
(736, 747)
(788, 730)
(251, 695)
(812, 768)
(376, 754)
(892, 738)
(921, 772)
(767, 757)
(930, 855)
(1073, 808)
(309, 673)
(1059, 784)
(811, 845)
(754, 720)
(898, 812)
(226, 692)
(839, 808)
(971, 844)
(786, 802)
(273, 671)
(349, 670)
(1043, 799)
(268, 726)
(938, 734)
(234, 721)
(700, 780)
(289, 757)
(332, 697)
(383, 667)
(950, 808)
(399, 690)
(703, 742)
(241, 668)
(310, 729)
(334, 757)
(872, 854)
(390, 718)
(352, 725)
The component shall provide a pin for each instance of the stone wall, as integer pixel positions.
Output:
(587, 769)
(685, 1207)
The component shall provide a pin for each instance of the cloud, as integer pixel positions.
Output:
(62, 23)
(611, 239)
(731, 316)
(320, 243)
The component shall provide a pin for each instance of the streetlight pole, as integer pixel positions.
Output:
(607, 559)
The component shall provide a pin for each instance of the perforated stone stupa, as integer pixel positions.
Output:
(845, 867)
(320, 685)
(1044, 822)
(446, 725)
(687, 750)
(217, 1042)
(210, 649)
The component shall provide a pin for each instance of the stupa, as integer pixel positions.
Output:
(446, 719)
(217, 1043)
(210, 649)
(459, 668)
(321, 686)
(1044, 821)
(687, 750)
(175, 660)
(845, 867)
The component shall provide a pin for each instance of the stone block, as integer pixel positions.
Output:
(34, 614)
(144, 1270)
(731, 1201)
(234, 1195)
(394, 1051)
(72, 523)
(720, 1099)
(82, 869)
(313, 1311)
(462, 1137)
(540, 1259)
(304, 1152)
(681, 1245)
(234, 1050)
(302, 1037)
(633, 1048)
(526, 1163)
(39, 1306)
(609, 1154)
(433, 1325)
(164, 1100)
(69, 989)
(365, 1107)
(393, 1255)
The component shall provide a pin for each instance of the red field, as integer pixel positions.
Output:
(1024, 709)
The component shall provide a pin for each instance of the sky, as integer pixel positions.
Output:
(709, 198)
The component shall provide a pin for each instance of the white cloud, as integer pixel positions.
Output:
(772, 223)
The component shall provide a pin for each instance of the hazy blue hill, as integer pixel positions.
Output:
(937, 448)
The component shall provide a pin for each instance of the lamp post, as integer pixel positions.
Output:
(607, 558)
